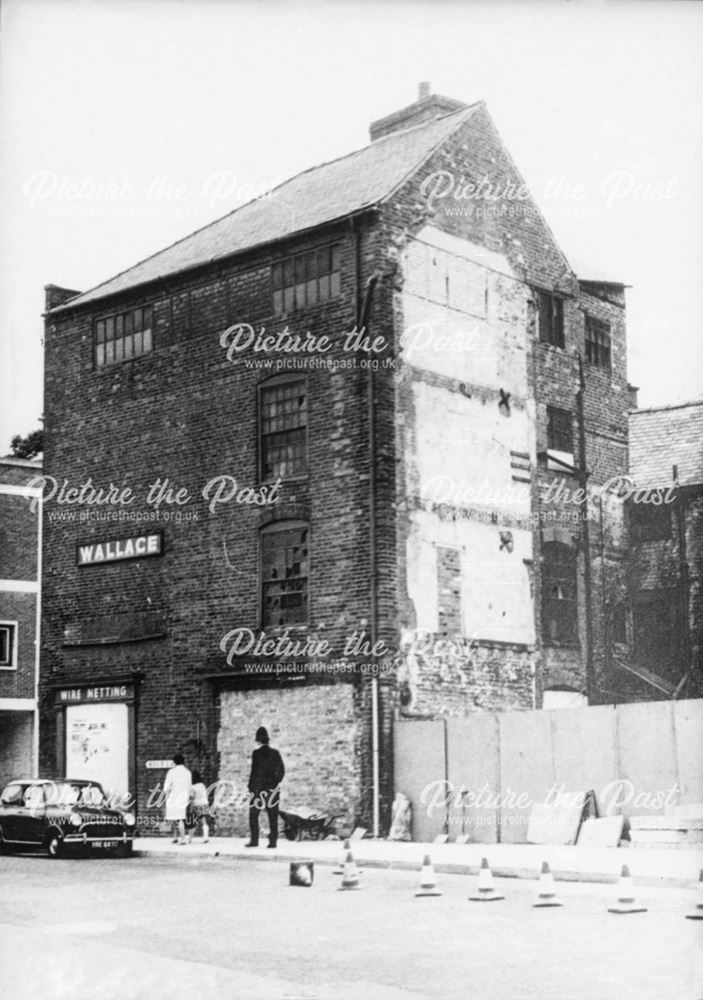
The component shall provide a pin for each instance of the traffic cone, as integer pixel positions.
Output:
(428, 882)
(626, 895)
(350, 878)
(485, 890)
(547, 894)
(697, 913)
(301, 873)
(339, 870)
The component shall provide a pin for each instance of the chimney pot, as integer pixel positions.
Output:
(424, 90)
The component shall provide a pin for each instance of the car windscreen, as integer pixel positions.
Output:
(66, 793)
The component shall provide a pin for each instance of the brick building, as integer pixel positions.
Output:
(352, 416)
(20, 574)
(660, 655)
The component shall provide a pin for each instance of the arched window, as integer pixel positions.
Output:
(285, 563)
(283, 427)
(559, 616)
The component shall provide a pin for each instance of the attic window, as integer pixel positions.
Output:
(123, 336)
(551, 319)
(305, 280)
(597, 342)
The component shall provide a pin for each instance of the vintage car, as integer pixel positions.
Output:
(60, 814)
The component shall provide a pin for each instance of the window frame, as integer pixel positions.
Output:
(598, 342)
(297, 285)
(11, 628)
(553, 332)
(276, 380)
(564, 557)
(124, 321)
(280, 528)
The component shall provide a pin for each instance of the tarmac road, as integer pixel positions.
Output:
(153, 928)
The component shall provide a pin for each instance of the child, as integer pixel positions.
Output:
(200, 808)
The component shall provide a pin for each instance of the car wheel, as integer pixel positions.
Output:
(124, 850)
(54, 846)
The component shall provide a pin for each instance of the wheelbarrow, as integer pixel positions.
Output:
(299, 824)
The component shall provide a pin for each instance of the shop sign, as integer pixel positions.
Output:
(134, 547)
(94, 693)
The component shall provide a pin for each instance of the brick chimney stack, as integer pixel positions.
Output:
(426, 108)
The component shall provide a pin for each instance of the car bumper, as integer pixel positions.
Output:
(111, 839)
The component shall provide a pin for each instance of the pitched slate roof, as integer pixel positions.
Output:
(320, 195)
(665, 436)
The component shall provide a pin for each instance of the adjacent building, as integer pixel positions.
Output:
(341, 456)
(20, 616)
(662, 630)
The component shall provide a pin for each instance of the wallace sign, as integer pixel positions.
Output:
(136, 547)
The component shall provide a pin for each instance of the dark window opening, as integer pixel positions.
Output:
(551, 319)
(650, 522)
(7, 645)
(124, 336)
(284, 575)
(283, 418)
(306, 279)
(560, 430)
(656, 623)
(559, 615)
(597, 342)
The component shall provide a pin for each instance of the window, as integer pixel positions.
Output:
(124, 336)
(551, 319)
(306, 279)
(560, 440)
(650, 522)
(284, 575)
(283, 419)
(597, 342)
(8, 650)
(559, 619)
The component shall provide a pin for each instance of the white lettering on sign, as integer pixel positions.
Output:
(122, 548)
(106, 692)
(155, 765)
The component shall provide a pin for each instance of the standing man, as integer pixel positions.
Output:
(267, 770)
(177, 789)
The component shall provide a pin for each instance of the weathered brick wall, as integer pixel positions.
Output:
(15, 745)
(22, 609)
(316, 730)
(187, 413)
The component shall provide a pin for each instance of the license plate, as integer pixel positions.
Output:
(105, 843)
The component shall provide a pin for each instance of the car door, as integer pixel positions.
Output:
(31, 816)
(11, 806)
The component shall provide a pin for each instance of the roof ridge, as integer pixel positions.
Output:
(641, 410)
(263, 197)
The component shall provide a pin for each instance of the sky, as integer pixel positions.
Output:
(127, 124)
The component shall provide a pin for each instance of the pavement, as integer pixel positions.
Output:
(649, 866)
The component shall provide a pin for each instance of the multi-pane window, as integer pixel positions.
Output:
(560, 430)
(284, 575)
(123, 336)
(8, 632)
(551, 318)
(306, 279)
(283, 417)
(650, 522)
(559, 616)
(597, 342)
